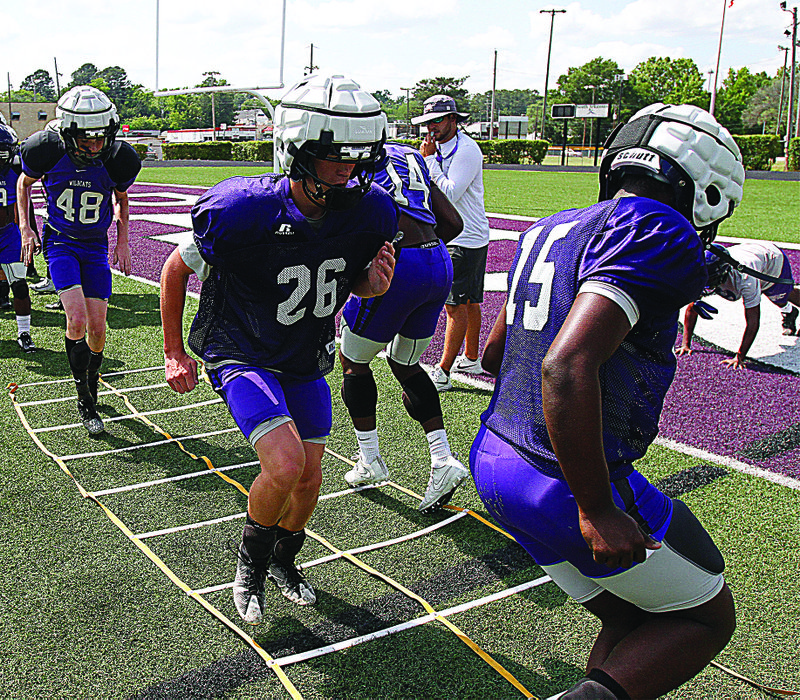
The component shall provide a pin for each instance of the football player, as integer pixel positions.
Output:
(14, 271)
(278, 255)
(86, 174)
(405, 319)
(775, 282)
(583, 352)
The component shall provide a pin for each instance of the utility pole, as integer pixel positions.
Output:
(310, 68)
(58, 85)
(710, 73)
(785, 50)
(719, 53)
(494, 85)
(408, 111)
(157, 14)
(211, 74)
(790, 104)
(552, 14)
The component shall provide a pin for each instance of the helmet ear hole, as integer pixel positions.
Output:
(713, 196)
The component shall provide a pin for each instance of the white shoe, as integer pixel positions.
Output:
(44, 286)
(464, 364)
(445, 479)
(376, 472)
(440, 379)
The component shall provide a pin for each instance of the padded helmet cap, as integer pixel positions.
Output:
(84, 112)
(686, 147)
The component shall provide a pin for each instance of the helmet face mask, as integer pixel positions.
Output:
(329, 119)
(718, 270)
(9, 146)
(688, 149)
(82, 113)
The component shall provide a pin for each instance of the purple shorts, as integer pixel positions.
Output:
(74, 263)
(260, 400)
(779, 293)
(540, 512)
(411, 307)
(10, 244)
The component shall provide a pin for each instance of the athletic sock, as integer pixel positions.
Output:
(23, 324)
(258, 540)
(438, 445)
(5, 289)
(368, 444)
(78, 358)
(607, 681)
(288, 544)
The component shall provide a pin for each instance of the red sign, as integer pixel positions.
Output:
(125, 128)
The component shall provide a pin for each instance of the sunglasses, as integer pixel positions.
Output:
(438, 120)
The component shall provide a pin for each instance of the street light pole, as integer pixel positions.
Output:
(790, 104)
(785, 50)
(552, 14)
(408, 112)
(719, 53)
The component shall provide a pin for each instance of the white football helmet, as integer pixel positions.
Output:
(9, 146)
(84, 112)
(685, 147)
(330, 118)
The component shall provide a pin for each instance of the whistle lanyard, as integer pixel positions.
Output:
(440, 158)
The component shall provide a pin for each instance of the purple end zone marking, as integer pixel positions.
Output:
(708, 406)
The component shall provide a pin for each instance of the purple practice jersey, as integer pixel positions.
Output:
(8, 185)
(277, 282)
(405, 176)
(79, 203)
(636, 245)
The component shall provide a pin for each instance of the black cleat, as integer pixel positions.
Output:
(790, 322)
(5, 304)
(91, 421)
(25, 341)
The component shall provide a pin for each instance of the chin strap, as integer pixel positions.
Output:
(723, 254)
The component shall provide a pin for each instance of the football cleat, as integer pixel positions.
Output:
(464, 364)
(55, 305)
(790, 322)
(291, 583)
(91, 421)
(376, 472)
(248, 588)
(44, 286)
(25, 341)
(5, 304)
(444, 480)
(440, 379)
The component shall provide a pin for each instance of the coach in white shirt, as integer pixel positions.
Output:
(455, 163)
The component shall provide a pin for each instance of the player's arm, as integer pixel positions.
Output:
(31, 243)
(122, 250)
(495, 345)
(448, 221)
(572, 403)
(689, 322)
(180, 369)
(752, 320)
(375, 279)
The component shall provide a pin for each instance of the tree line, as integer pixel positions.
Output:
(746, 102)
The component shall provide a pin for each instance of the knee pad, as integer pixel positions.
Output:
(20, 290)
(420, 398)
(360, 395)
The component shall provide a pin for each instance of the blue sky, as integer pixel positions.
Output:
(384, 45)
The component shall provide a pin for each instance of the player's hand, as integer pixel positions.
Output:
(381, 270)
(615, 539)
(122, 257)
(428, 145)
(734, 362)
(683, 350)
(181, 372)
(31, 244)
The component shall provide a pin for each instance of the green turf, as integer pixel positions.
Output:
(769, 211)
(85, 614)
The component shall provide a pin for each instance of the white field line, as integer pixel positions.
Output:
(148, 444)
(729, 462)
(170, 479)
(40, 402)
(357, 550)
(191, 526)
(130, 416)
(104, 375)
(348, 643)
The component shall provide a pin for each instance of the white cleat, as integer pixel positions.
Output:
(440, 379)
(445, 479)
(376, 472)
(467, 366)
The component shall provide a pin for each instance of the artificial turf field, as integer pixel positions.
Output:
(85, 613)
